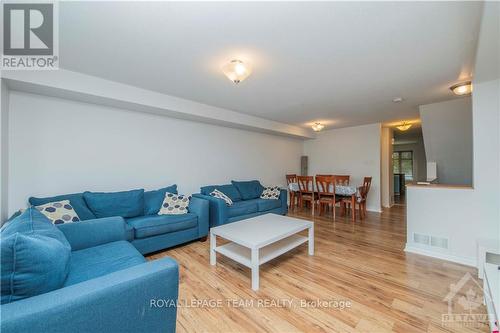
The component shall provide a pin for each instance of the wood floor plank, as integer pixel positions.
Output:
(362, 263)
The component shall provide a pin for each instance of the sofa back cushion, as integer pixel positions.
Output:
(76, 200)
(154, 199)
(124, 204)
(228, 190)
(35, 257)
(248, 189)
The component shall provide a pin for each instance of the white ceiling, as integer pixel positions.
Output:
(341, 63)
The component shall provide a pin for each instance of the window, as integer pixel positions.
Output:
(402, 162)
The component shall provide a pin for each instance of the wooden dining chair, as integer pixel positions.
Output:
(342, 179)
(293, 195)
(324, 175)
(325, 186)
(363, 194)
(306, 191)
(361, 199)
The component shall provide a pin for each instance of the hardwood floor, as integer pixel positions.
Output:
(361, 264)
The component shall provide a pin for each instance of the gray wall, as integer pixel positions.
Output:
(447, 132)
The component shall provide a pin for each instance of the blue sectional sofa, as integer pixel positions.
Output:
(145, 229)
(81, 277)
(246, 202)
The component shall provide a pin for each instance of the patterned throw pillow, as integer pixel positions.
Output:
(272, 192)
(59, 212)
(174, 204)
(218, 194)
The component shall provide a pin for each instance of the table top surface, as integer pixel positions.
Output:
(262, 230)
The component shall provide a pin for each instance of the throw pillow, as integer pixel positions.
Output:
(154, 199)
(219, 195)
(59, 212)
(272, 192)
(174, 204)
(35, 256)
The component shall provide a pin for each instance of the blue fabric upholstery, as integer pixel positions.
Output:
(248, 189)
(82, 235)
(154, 199)
(228, 190)
(76, 200)
(200, 208)
(35, 257)
(268, 204)
(155, 243)
(242, 208)
(221, 214)
(122, 301)
(100, 260)
(124, 204)
(152, 225)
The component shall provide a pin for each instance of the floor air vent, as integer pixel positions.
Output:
(421, 239)
(439, 242)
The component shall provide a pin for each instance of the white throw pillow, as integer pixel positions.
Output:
(272, 192)
(174, 204)
(59, 212)
(218, 194)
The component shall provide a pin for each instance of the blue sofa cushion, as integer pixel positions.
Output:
(76, 200)
(151, 225)
(228, 190)
(242, 208)
(154, 199)
(248, 189)
(124, 204)
(35, 257)
(268, 204)
(100, 260)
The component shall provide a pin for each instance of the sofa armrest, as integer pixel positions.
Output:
(137, 299)
(218, 209)
(89, 233)
(284, 200)
(200, 207)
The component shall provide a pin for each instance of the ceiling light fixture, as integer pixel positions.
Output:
(463, 88)
(317, 127)
(404, 126)
(397, 99)
(236, 70)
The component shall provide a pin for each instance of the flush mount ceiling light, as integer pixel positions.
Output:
(236, 70)
(463, 88)
(404, 126)
(317, 127)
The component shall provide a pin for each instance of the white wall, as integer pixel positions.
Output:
(466, 215)
(387, 172)
(447, 132)
(4, 137)
(353, 151)
(60, 146)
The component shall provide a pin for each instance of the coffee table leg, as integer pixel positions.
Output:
(255, 269)
(310, 241)
(213, 244)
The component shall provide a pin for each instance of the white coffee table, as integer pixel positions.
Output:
(257, 240)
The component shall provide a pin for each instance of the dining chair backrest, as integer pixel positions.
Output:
(324, 175)
(342, 179)
(305, 184)
(325, 185)
(367, 182)
(291, 179)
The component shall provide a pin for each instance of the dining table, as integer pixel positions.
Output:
(342, 190)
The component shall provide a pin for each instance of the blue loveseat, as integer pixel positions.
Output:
(246, 202)
(81, 277)
(145, 229)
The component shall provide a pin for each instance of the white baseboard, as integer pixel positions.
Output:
(375, 210)
(468, 261)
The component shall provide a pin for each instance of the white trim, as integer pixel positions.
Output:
(375, 210)
(468, 261)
